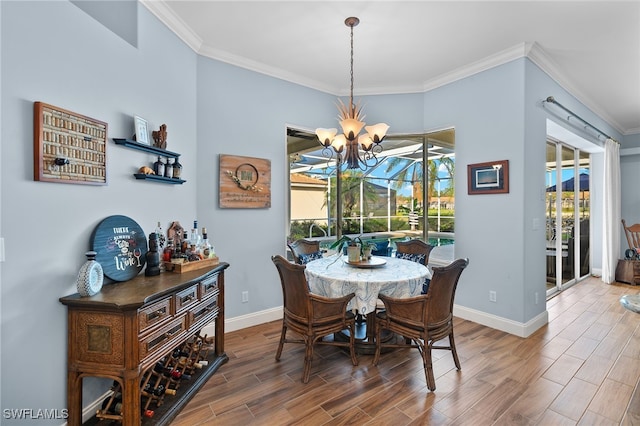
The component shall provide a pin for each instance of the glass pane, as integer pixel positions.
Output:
(551, 196)
(584, 213)
(566, 192)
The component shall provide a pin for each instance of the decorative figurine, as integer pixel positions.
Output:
(160, 137)
(153, 257)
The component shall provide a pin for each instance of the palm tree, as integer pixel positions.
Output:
(414, 174)
(350, 193)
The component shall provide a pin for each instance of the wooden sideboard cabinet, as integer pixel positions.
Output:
(129, 326)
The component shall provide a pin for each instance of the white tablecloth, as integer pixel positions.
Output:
(333, 277)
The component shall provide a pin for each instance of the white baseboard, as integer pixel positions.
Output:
(90, 410)
(244, 321)
(508, 326)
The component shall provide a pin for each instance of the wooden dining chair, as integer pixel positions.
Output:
(423, 320)
(311, 316)
(304, 251)
(416, 251)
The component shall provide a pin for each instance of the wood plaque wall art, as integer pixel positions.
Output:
(245, 182)
(68, 147)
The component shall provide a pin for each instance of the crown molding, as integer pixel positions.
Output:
(539, 57)
(166, 15)
(261, 68)
(531, 50)
(487, 63)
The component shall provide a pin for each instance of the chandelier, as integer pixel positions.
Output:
(359, 149)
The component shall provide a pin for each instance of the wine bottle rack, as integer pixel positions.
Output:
(165, 373)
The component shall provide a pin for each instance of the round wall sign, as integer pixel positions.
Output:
(121, 247)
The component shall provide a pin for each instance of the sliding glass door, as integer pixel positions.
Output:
(567, 217)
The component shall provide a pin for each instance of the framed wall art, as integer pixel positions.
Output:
(68, 147)
(245, 182)
(488, 178)
(142, 130)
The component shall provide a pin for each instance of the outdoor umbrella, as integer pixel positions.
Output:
(569, 184)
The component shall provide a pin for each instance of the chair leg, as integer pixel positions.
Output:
(452, 343)
(428, 366)
(308, 355)
(280, 346)
(376, 356)
(352, 345)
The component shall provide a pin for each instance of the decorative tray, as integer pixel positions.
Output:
(374, 262)
(190, 266)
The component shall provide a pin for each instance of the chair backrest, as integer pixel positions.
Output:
(303, 246)
(382, 248)
(633, 235)
(442, 290)
(295, 289)
(414, 247)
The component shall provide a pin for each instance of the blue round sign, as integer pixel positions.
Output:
(121, 247)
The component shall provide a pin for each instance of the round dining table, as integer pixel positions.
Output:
(334, 276)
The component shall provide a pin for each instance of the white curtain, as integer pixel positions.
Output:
(611, 211)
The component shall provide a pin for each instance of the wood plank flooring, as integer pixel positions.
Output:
(580, 369)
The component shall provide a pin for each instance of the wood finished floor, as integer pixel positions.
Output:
(579, 369)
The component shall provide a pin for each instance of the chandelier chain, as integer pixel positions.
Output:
(351, 92)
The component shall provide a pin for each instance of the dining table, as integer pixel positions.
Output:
(334, 276)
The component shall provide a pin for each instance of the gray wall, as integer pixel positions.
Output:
(55, 53)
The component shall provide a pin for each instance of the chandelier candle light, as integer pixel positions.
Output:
(352, 121)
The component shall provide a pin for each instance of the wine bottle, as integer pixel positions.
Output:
(112, 405)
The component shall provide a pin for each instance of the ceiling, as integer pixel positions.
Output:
(591, 48)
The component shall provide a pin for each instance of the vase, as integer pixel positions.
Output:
(353, 253)
(90, 276)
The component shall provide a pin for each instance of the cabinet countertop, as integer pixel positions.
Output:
(141, 290)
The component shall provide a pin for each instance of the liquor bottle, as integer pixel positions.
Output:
(177, 169)
(158, 167)
(168, 169)
(167, 253)
(161, 237)
(195, 237)
(205, 246)
(185, 245)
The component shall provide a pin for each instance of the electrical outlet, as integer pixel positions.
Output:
(492, 296)
(537, 297)
(245, 296)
